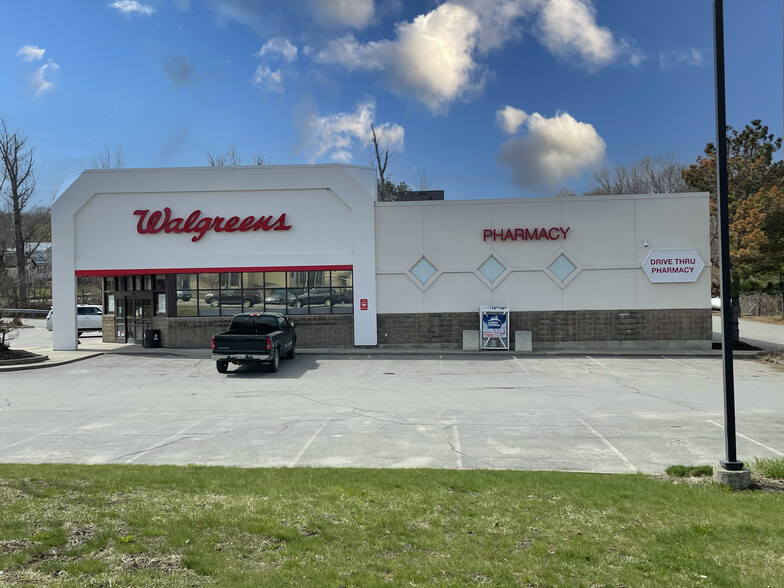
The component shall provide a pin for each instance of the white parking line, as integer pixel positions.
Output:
(164, 442)
(610, 445)
(455, 440)
(687, 366)
(305, 447)
(522, 366)
(613, 372)
(33, 438)
(749, 439)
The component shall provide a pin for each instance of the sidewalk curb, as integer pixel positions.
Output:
(47, 363)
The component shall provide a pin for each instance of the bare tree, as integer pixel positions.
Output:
(106, 159)
(651, 175)
(565, 192)
(381, 158)
(258, 159)
(422, 181)
(231, 157)
(17, 187)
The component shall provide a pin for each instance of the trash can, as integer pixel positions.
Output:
(152, 338)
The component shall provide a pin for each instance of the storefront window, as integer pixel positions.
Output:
(160, 303)
(297, 287)
(186, 302)
(343, 286)
(209, 294)
(186, 294)
(230, 293)
(275, 297)
(253, 280)
(230, 280)
(108, 295)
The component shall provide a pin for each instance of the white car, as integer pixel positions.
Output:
(89, 317)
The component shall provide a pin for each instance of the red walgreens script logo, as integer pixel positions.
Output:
(162, 221)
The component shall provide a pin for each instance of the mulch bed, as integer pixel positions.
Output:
(15, 354)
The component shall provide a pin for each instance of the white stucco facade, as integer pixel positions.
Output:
(607, 240)
(410, 259)
(329, 209)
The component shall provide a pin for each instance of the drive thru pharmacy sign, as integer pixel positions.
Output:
(673, 265)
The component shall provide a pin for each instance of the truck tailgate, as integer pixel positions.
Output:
(240, 343)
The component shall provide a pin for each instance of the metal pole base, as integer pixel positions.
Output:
(733, 466)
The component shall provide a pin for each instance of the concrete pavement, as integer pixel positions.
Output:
(369, 408)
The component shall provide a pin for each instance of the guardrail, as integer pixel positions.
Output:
(24, 312)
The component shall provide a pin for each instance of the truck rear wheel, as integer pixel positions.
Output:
(275, 361)
(222, 366)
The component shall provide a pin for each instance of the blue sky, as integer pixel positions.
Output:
(489, 98)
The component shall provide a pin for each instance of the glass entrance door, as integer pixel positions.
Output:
(138, 316)
(120, 319)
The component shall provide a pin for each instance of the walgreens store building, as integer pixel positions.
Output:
(180, 251)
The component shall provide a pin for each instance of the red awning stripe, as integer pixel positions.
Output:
(210, 270)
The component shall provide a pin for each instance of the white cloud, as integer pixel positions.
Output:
(356, 14)
(510, 119)
(133, 7)
(434, 58)
(267, 79)
(499, 20)
(335, 136)
(37, 81)
(31, 53)
(351, 54)
(691, 57)
(249, 13)
(278, 46)
(553, 150)
(569, 30)
(431, 60)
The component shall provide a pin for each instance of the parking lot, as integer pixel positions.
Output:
(497, 411)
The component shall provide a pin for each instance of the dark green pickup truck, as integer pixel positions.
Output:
(255, 338)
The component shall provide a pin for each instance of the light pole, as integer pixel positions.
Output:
(731, 461)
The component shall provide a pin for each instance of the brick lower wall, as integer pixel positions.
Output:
(667, 328)
(107, 325)
(313, 331)
(610, 329)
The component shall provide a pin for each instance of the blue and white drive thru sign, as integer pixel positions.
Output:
(494, 327)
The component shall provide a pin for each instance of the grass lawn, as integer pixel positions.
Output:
(63, 525)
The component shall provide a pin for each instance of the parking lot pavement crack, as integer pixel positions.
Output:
(4, 403)
(131, 455)
(359, 411)
(461, 453)
(634, 390)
